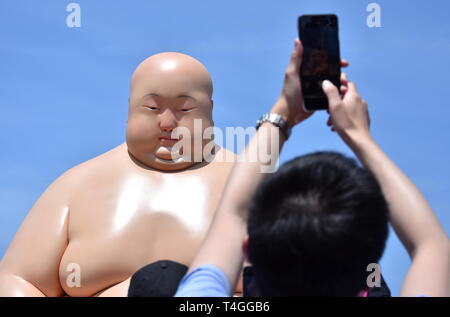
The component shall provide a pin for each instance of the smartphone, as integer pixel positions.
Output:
(321, 57)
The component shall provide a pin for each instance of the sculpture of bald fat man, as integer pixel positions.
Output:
(130, 206)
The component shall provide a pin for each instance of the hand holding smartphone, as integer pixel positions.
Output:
(321, 57)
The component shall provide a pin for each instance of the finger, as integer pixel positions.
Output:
(329, 122)
(344, 63)
(352, 86)
(299, 50)
(343, 90)
(344, 78)
(331, 92)
(351, 89)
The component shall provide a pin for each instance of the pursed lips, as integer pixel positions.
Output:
(167, 138)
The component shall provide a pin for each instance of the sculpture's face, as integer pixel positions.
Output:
(167, 94)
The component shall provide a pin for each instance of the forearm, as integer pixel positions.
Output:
(223, 243)
(411, 216)
(259, 158)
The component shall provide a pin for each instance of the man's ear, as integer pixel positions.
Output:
(212, 104)
(245, 248)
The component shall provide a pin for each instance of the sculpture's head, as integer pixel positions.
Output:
(168, 90)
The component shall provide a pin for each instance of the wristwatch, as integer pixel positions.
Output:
(276, 120)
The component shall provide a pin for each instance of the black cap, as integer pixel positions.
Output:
(158, 279)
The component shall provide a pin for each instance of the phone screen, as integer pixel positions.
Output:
(321, 57)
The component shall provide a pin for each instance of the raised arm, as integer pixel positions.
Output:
(30, 266)
(410, 214)
(223, 243)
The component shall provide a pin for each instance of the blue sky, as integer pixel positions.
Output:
(64, 90)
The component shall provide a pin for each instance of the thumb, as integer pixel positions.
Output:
(296, 56)
(331, 92)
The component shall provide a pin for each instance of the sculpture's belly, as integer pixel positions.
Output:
(116, 226)
(101, 260)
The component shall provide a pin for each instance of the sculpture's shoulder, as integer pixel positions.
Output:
(109, 161)
(226, 156)
(222, 163)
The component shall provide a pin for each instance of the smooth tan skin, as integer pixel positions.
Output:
(125, 208)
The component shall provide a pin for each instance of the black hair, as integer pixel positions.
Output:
(315, 225)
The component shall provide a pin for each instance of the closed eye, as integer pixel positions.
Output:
(152, 108)
(186, 110)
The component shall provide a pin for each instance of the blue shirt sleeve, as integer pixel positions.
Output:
(205, 281)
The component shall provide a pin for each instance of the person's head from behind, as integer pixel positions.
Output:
(314, 226)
